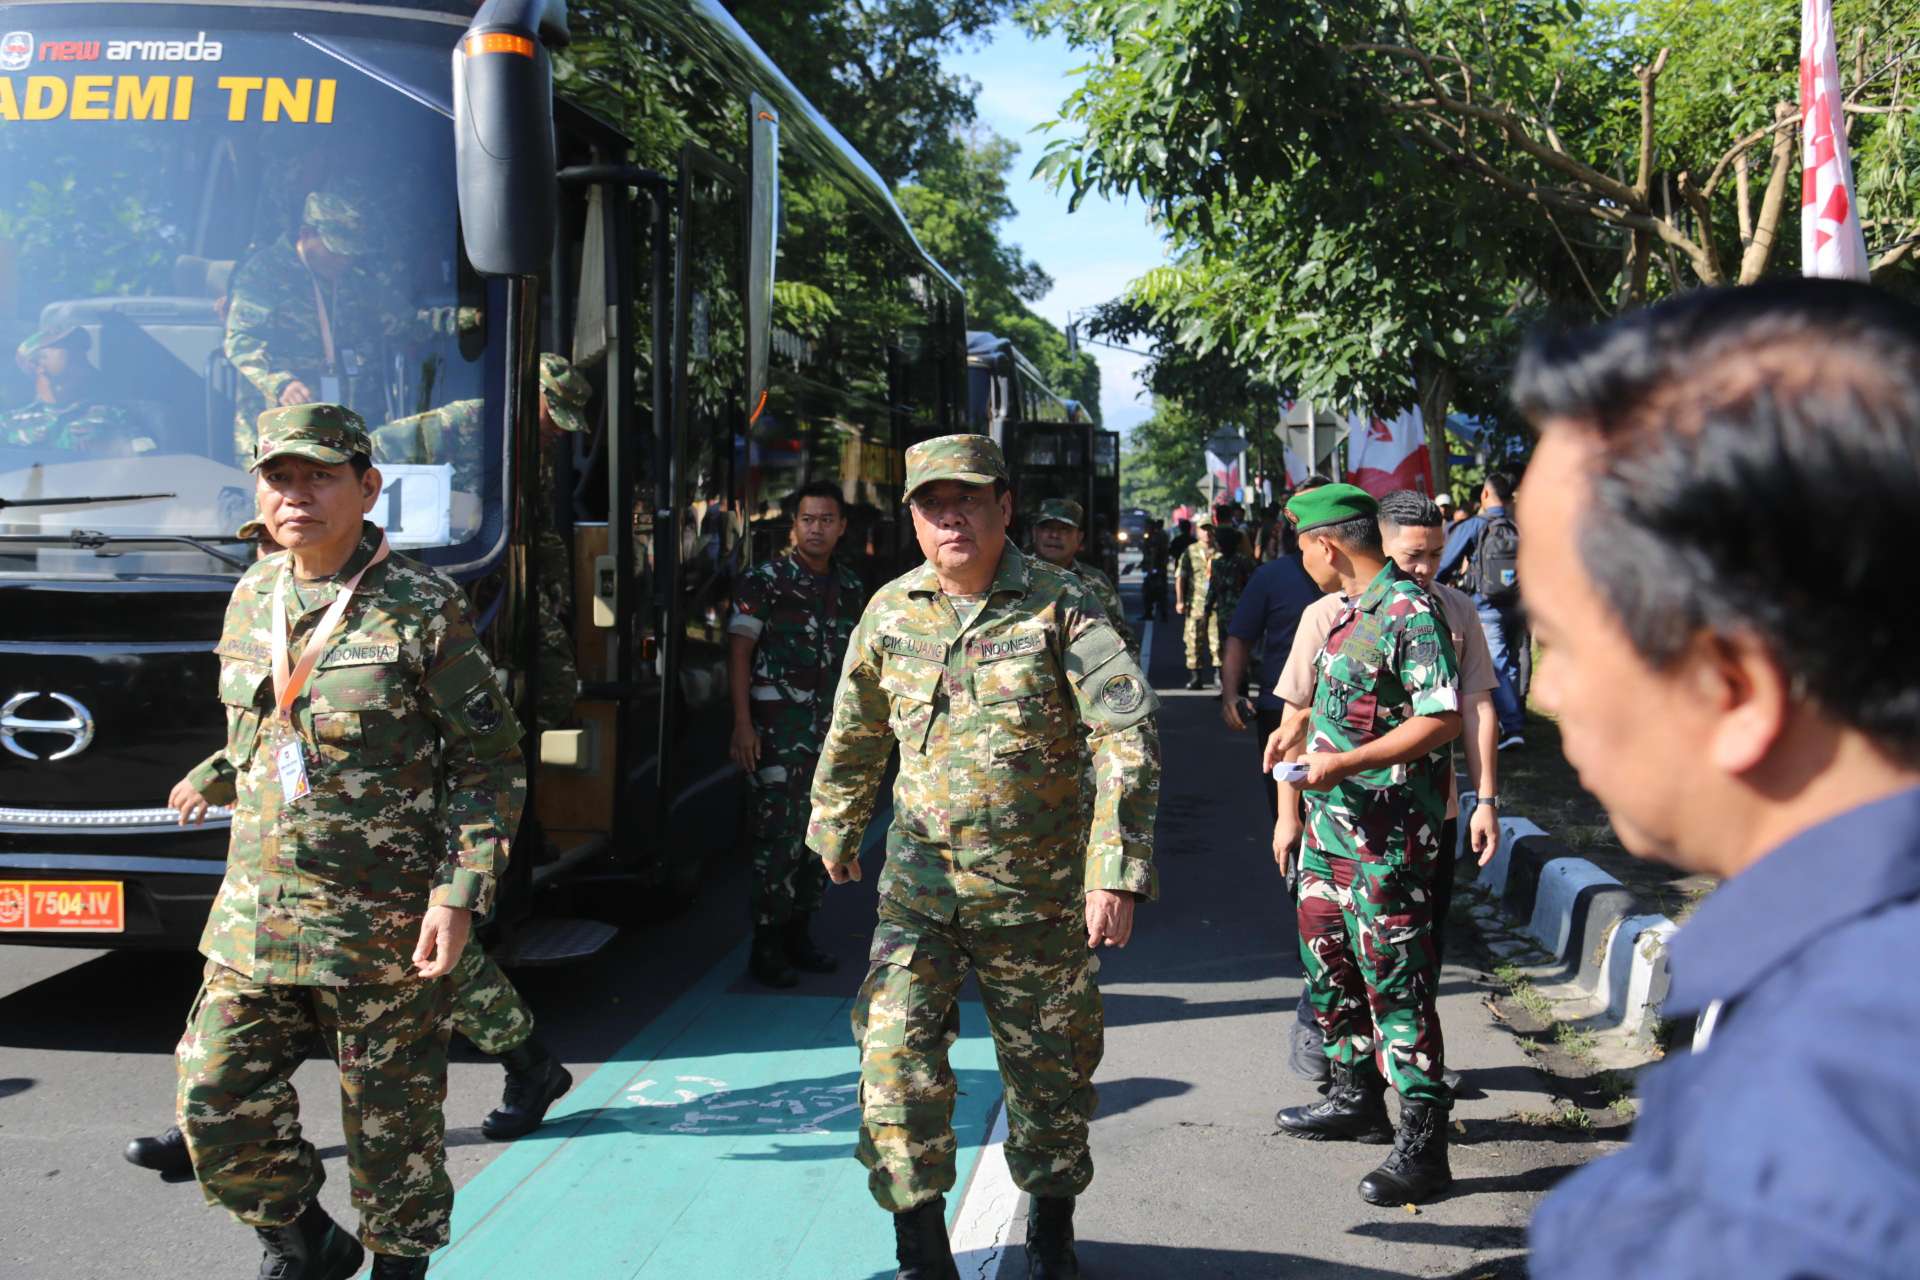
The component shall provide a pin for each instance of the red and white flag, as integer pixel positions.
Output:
(1831, 242)
(1384, 454)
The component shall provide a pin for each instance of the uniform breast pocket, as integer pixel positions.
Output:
(358, 713)
(1022, 700)
(1352, 707)
(240, 690)
(910, 684)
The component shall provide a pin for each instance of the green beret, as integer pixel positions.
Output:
(1330, 504)
(567, 392)
(329, 434)
(970, 458)
(1063, 511)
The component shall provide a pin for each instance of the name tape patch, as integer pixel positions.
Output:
(931, 650)
(362, 655)
(1011, 647)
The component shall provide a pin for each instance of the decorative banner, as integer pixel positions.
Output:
(1297, 468)
(1388, 454)
(1831, 242)
(1226, 477)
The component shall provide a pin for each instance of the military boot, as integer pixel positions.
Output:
(920, 1243)
(388, 1267)
(769, 964)
(166, 1155)
(1193, 678)
(535, 1081)
(1050, 1253)
(312, 1247)
(1354, 1110)
(1417, 1169)
(1307, 1047)
(805, 956)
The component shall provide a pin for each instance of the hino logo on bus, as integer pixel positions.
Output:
(77, 728)
(16, 51)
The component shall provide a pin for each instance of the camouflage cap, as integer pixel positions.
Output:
(567, 392)
(969, 457)
(251, 530)
(1063, 511)
(340, 221)
(1330, 504)
(60, 335)
(325, 433)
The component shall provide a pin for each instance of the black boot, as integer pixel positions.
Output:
(1306, 1047)
(1354, 1110)
(800, 949)
(920, 1243)
(388, 1267)
(166, 1155)
(1050, 1253)
(1193, 678)
(769, 964)
(535, 1081)
(313, 1247)
(1417, 1169)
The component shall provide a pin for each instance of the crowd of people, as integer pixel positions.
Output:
(1732, 689)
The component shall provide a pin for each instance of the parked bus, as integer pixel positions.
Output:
(735, 281)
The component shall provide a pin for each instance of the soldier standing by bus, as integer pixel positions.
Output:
(379, 782)
(792, 616)
(1057, 538)
(992, 673)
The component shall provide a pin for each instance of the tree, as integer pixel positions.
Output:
(1164, 459)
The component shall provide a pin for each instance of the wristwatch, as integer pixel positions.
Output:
(1492, 802)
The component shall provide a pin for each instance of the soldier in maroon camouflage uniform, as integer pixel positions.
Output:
(791, 620)
(1386, 703)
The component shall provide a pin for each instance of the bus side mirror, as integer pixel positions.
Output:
(763, 247)
(503, 135)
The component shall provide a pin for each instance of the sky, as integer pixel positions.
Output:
(1092, 253)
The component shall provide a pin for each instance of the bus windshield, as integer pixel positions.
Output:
(200, 220)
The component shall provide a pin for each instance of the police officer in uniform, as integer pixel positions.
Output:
(1386, 706)
(378, 782)
(992, 673)
(1058, 535)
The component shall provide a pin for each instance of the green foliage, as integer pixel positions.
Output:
(1164, 458)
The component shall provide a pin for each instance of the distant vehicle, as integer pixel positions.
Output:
(1133, 534)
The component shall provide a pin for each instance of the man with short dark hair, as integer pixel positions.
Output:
(1058, 535)
(792, 616)
(1714, 569)
(1468, 557)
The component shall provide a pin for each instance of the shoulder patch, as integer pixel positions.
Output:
(483, 712)
(1122, 694)
(914, 646)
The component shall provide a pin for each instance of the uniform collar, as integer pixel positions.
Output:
(1794, 897)
(1012, 575)
(321, 589)
(1377, 590)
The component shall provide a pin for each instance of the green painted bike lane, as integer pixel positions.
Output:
(717, 1143)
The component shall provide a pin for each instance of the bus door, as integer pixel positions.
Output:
(1103, 516)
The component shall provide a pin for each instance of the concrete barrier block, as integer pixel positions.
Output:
(1494, 874)
(1551, 922)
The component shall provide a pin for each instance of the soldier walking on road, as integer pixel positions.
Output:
(1057, 539)
(1191, 574)
(992, 673)
(1386, 703)
(378, 783)
(792, 617)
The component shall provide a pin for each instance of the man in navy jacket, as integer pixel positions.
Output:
(1710, 534)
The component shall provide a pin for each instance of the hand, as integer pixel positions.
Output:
(1109, 918)
(842, 872)
(745, 749)
(189, 803)
(1286, 837)
(296, 392)
(1483, 832)
(1325, 770)
(1273, 752)
(1230, 712)
(443, 936)
(1180, 606)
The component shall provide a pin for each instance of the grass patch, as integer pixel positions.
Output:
(1577, 1043)
(1523, 992)
(1565, 1115)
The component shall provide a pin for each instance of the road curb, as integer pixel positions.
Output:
(1584, 918)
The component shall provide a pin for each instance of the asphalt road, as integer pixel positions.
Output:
(1193, 1180)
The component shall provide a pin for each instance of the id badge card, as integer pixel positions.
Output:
(292, 767)
(330, 389)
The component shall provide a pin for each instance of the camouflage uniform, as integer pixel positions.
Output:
(85, 426)
(1203, 632)
(412, 755)
(485, 1006)
(1366, 910)
(988, 858)
(1073, 515)
(800, 623)
(1225, 585)
(451, 434)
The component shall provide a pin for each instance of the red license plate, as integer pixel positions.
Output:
(62, 906)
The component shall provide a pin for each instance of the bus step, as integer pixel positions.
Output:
(550, 940)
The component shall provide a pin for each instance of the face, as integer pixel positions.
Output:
(1316, 557)
(549, 429)
(324, 261)
(960, 526)
(312, 508)
(1416, 551)
(1206, 535)
(1057, 543)
(818, 527)
(1637, 737)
